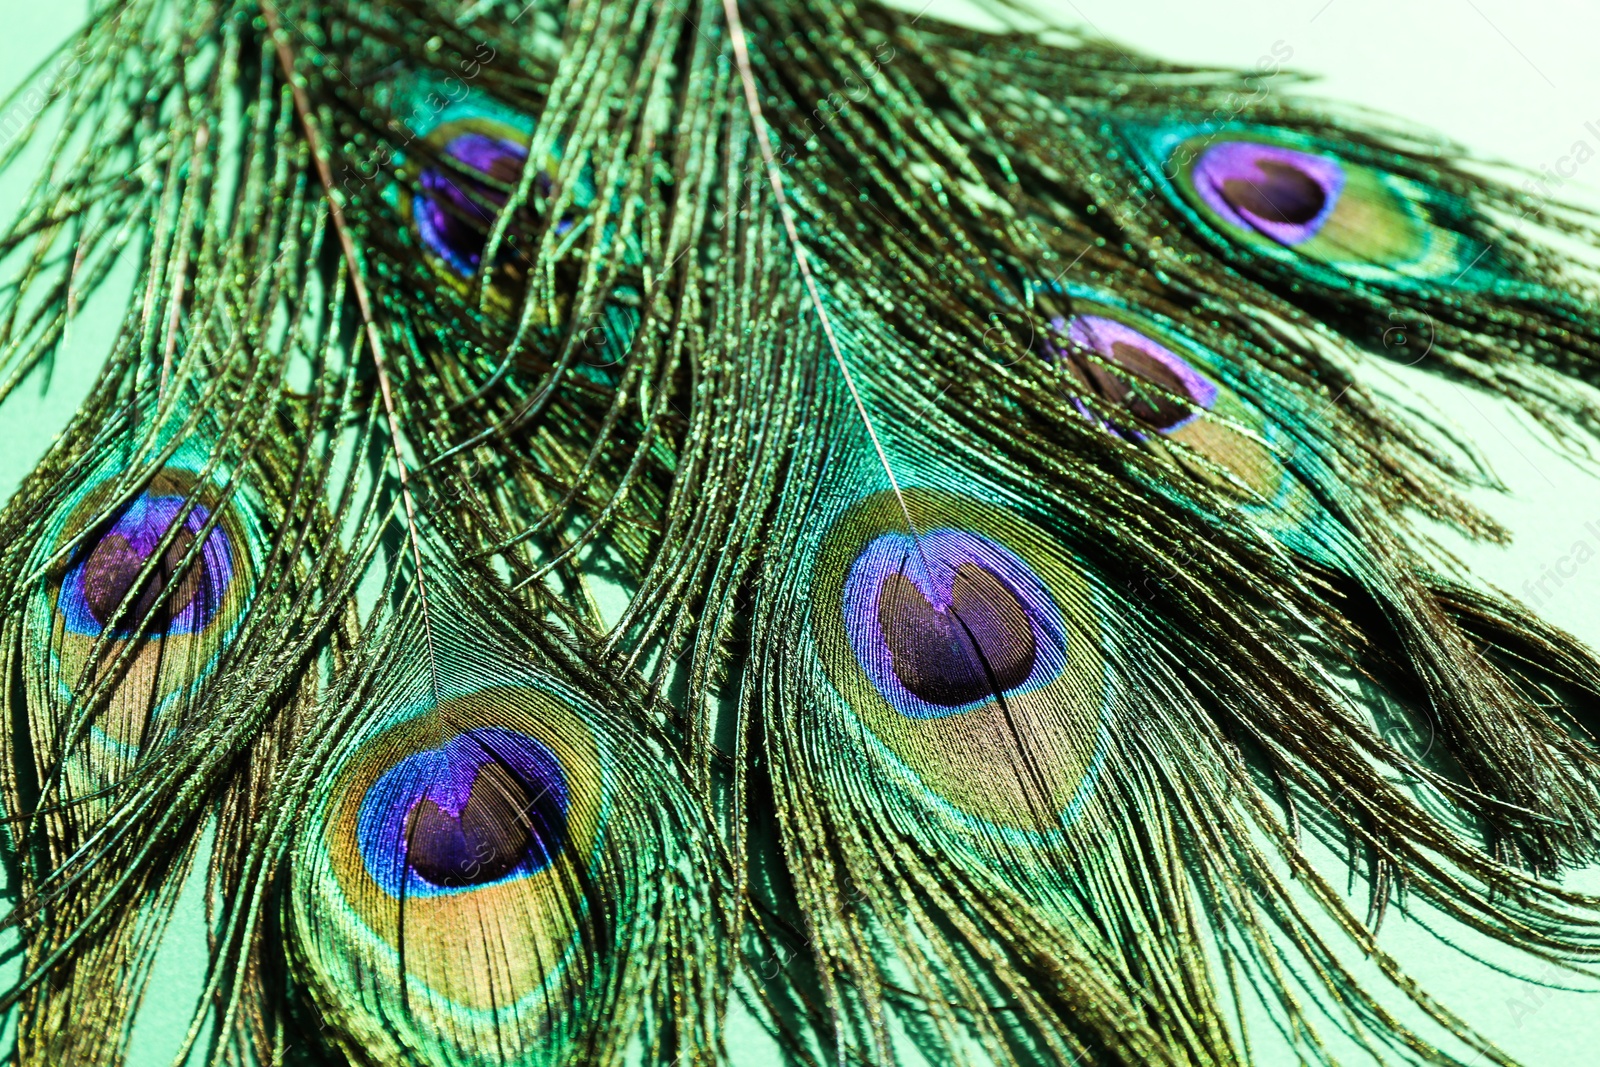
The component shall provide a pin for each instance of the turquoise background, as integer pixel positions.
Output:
(1516, 82)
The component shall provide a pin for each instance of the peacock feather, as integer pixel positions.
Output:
(607, 527)
(491, 800)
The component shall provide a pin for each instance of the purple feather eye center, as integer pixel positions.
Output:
(1285, 194)
(105, 577)
(454, 213)
(949, 621)
(1135, 372)
(485, 805)
(978, 645)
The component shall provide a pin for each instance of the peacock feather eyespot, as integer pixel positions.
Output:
(454, 211)
(485, 805)
(980, 643)
(449, 864)
(141, 597)
(964, 648)
(99, 586)
(1168, 385)
(949, 620)
(1282, 193)
(1131, 369)
(1295, 200)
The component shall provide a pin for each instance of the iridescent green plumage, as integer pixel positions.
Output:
(631, 491)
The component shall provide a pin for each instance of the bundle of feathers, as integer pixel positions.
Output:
(607, 514)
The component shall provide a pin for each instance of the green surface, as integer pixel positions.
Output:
(1514, 84)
